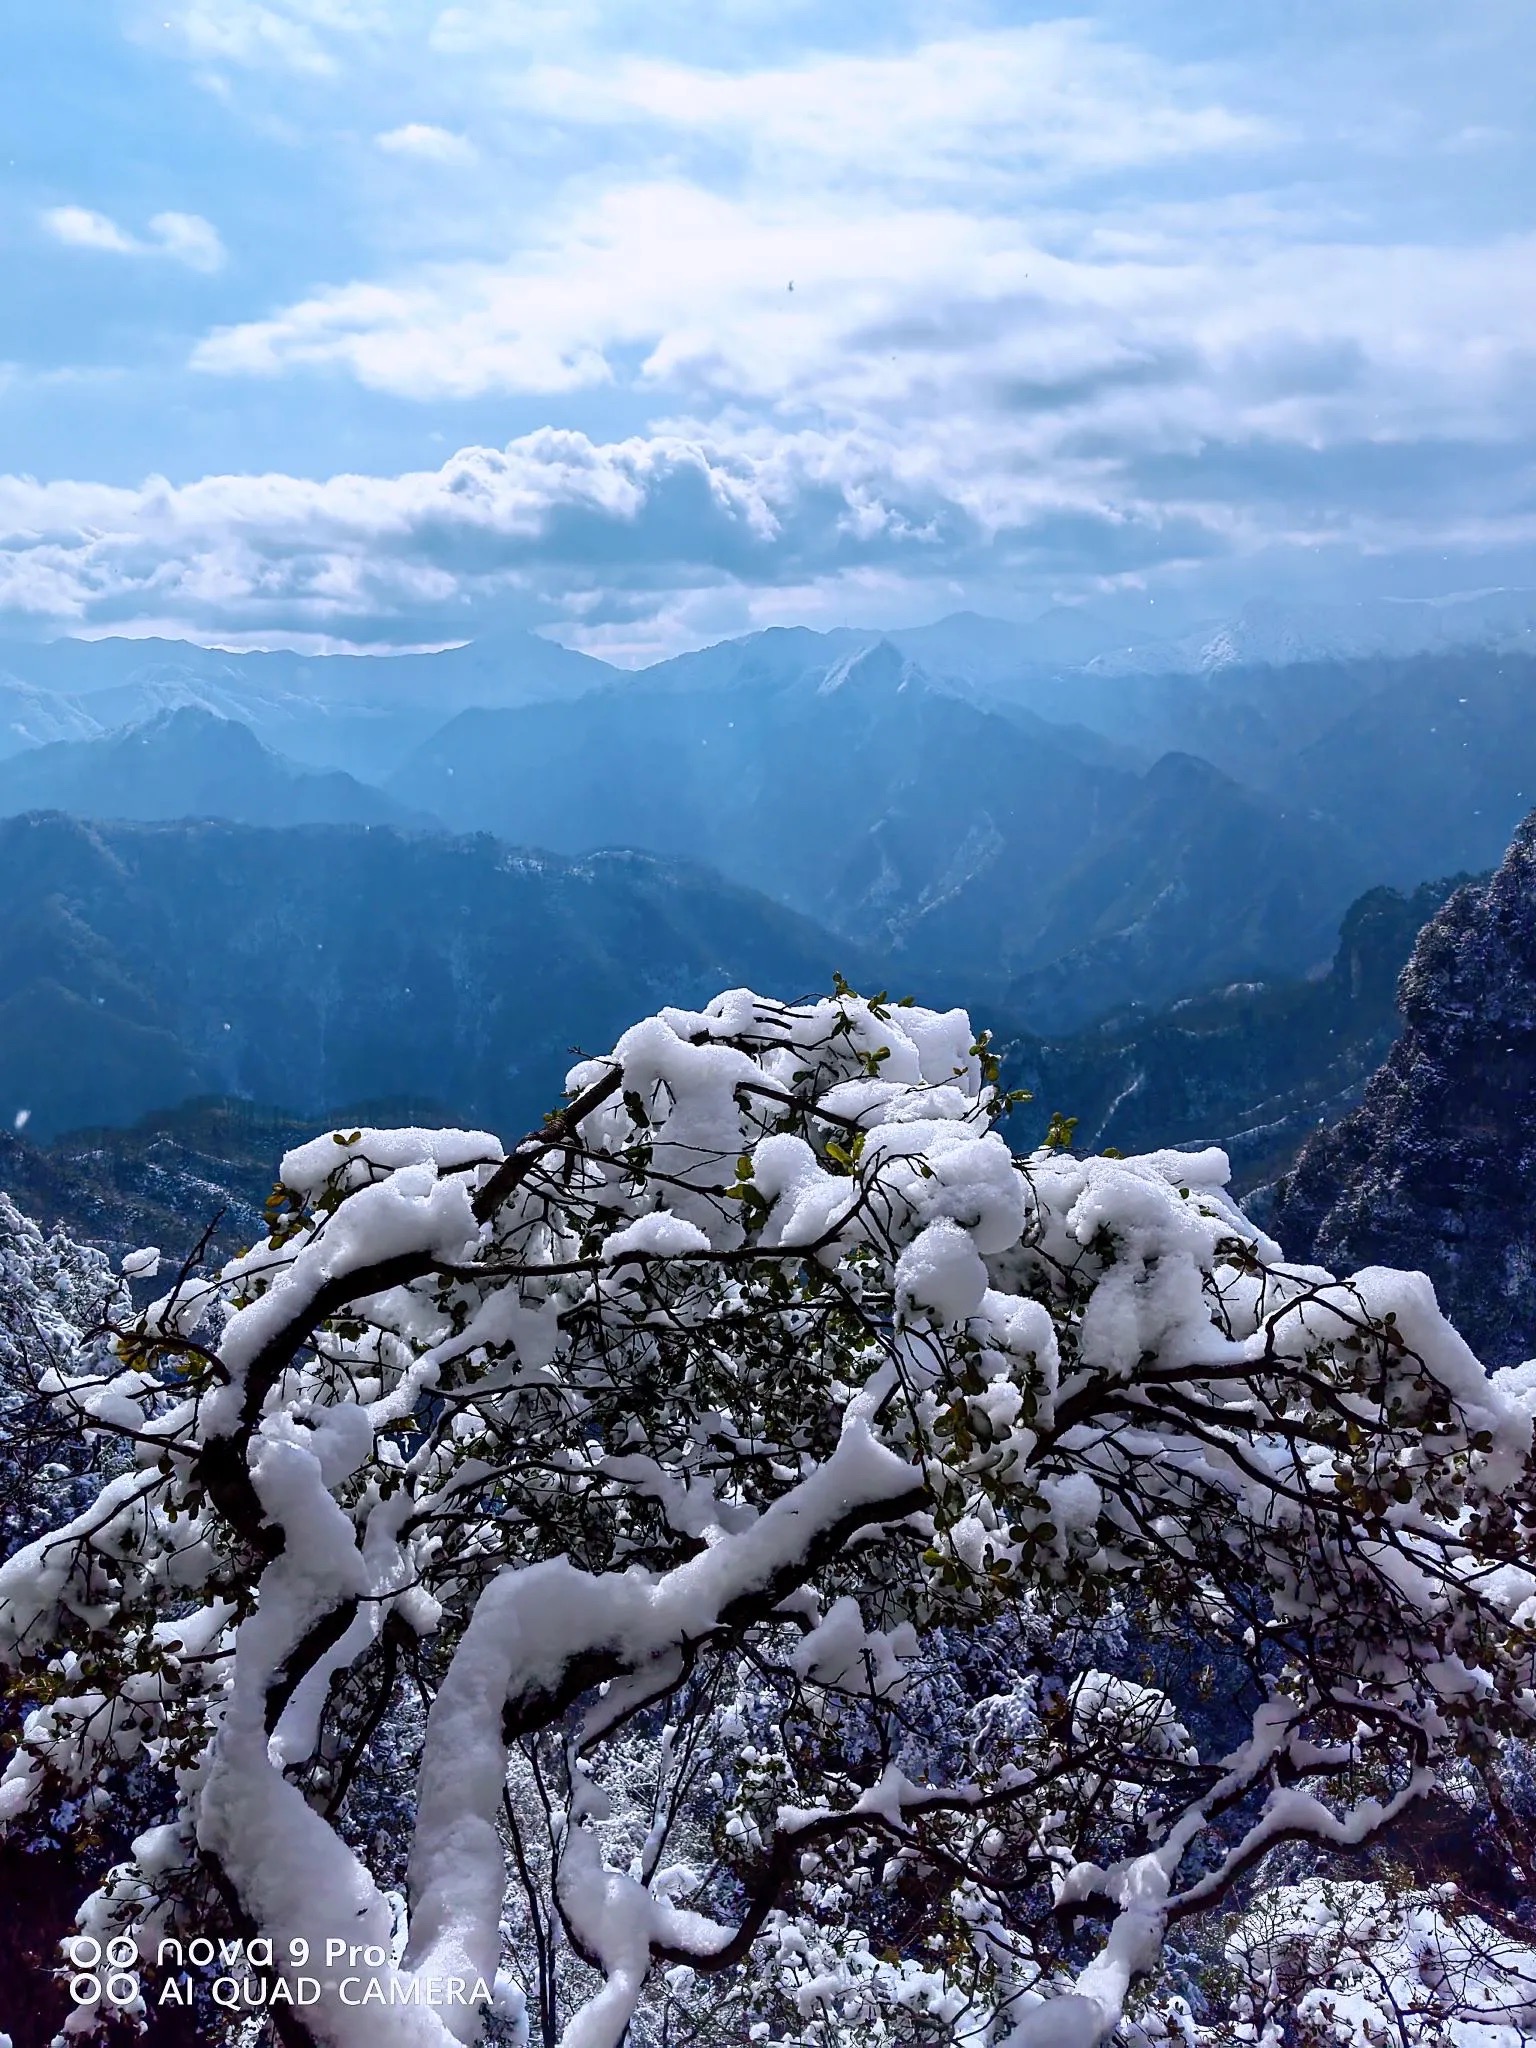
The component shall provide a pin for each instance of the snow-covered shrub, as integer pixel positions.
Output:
(744, 1565)
(1331, 1963)
(57, 1299)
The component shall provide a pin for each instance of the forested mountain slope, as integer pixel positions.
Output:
(322, 965)
(1253, 1067)
(169, 1176)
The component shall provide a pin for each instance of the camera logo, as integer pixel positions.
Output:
(104, 1972)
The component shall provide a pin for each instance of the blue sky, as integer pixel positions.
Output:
(379, 321)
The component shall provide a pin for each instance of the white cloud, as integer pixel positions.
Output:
(1056, 98)
(184, 237)
(189, 239)
(1019, 333)
(554, 527)
(83, 229)
(872, 181)
(253, 551)
(422, 139)
(281, 35)
(850, 237)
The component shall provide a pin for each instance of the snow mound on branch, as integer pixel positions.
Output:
(841, 1651)
(658, 1236)
(367, 1153)
(941, 1274)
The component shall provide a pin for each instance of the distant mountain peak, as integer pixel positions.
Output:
(881, 666)
(186, 718)
(1179, 770)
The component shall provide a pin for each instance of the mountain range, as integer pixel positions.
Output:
(188, 762)
(1125, 635)
(1067, 849)
(1177, 832)
(956, 842)
(362, 713)
(331, 710)
(1058, 847)
(316, 965)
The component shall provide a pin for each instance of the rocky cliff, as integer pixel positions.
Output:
(1436, 1169)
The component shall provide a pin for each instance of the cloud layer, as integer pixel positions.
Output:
(637, 546)
(948, 308)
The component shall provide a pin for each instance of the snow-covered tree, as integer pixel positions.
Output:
(759, 1561)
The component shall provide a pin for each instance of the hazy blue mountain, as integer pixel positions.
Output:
(1433, 771)
(1142, 679)
(1128, 634)
(503, 668)
(1276, 633)
(188, 763)
(965, 653)
(30, 717)
(956, 840)
(365, 739)
(359, 712)
(967, 646)
(1246, 692)
(141, 964)
(858, 793)
(1248, 722)
(1431, 741)
(1197, 880)
(1031, 836)
(773, 659)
